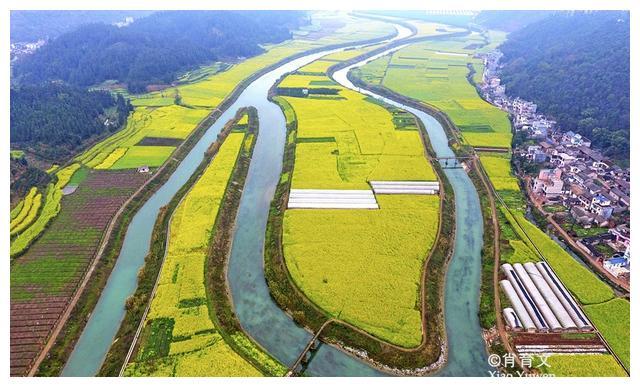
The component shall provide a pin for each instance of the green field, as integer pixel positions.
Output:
(498, 167)
(361, 266)
(430, 73)
(580, 366)
(137, 156)
(613, 319)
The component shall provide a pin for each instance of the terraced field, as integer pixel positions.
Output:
(36, 222)
(361, 266)
(44, 279)
(436, 74)
(25, 212)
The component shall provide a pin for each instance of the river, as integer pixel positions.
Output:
(257, 312)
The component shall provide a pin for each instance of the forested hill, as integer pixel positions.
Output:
(575, 66)
(155, 48)
(59, 115)
(29, 26)
(51, 122)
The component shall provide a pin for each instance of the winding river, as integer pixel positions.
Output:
(257, 312)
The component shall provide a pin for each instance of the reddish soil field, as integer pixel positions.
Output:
(555, 339)
(44, 279)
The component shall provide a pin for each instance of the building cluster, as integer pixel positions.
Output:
(594, 190)
(18, 50)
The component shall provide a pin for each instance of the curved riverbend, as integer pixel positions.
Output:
(263, 320)
(257, 312)
(466, 349)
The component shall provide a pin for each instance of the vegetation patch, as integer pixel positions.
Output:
(441, 81)
(613, 319)
(577, 365)
(159, 141)
(158, 334)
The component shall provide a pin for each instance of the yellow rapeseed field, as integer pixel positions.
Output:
(196, 349)
(362, 266)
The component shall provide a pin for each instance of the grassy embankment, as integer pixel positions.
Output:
(440, 81)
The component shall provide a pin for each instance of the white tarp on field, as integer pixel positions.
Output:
(406, 187)
(332, 198)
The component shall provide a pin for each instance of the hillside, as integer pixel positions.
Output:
(29, 26)
(575, 66)
(51, 122)
(155, 48)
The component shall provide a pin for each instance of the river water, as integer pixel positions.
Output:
(257, 312)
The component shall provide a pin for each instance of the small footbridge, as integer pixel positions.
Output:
(307, 353)
(453, 161)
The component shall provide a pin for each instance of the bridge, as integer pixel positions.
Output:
(453, 161)
(312, 346)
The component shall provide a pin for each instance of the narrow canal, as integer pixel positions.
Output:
(257, 312)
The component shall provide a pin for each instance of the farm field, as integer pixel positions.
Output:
(25, 212)
(581, 366)
(44, 279)
(435, 73)
(48, 211)
(180, 338)
(364, 266)
(613, 319)
(361, 266)
(498, 167)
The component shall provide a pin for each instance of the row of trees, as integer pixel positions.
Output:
(575, 66)
(155, 48)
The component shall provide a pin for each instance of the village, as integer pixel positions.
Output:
(582, 194)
